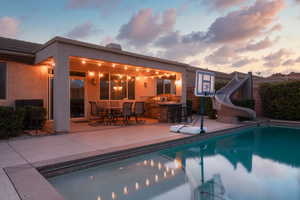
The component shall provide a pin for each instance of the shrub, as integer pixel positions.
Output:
(11, 122)
(35, 117)
(281, 100)
(249, 103)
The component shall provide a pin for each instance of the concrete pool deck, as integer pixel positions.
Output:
(37, 150)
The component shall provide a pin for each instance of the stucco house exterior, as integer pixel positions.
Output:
(63, 71)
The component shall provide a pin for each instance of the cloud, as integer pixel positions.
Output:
(246, 23)
(9, 27)
(222, 4)
(180, 46)
(78, 4)
(263, 44)
(243, 62)
(276, 59)
(223, 55)
(107, 40)
(291, 62)
(104, 6)
(237, 28)
(276, 27)
(82, 31)
(144, 27)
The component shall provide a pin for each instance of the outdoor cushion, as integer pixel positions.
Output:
(186, 129)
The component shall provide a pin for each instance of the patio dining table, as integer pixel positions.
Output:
(112, 113)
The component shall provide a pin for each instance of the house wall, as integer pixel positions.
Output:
(25, 82)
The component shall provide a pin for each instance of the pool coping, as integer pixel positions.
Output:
(29, 180)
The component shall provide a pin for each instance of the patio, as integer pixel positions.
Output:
(36, 149)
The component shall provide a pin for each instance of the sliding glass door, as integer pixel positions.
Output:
(77, 96)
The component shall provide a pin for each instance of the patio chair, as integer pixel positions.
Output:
(139, 110)
(97, 113)
(127, 112)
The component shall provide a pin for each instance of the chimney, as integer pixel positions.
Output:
(114, 46)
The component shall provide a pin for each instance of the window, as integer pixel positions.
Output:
(131, 89)
(165, 86)
(2, 80)
(116, 87)
(104, 86)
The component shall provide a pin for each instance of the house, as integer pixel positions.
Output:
(66, 75)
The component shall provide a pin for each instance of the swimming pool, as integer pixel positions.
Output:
(257, 163)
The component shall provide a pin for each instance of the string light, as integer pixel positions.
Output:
(113, 65)
(159, 166)
(125, 190)
(156, 72)
(118, 88)
(91, 73)
(152, 163)
(156, 178)
(137, 186)
(113, 195)
(167, 168)
(99, 64)
(137, 69)
(100, 75)
(147, 70)
(125, 67)
(83, 61)
(147, 182)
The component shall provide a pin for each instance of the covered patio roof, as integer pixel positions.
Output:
(64, 55)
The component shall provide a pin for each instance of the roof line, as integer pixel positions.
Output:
(98, 47)
(16, 53)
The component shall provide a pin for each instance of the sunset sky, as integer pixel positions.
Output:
(261, 36)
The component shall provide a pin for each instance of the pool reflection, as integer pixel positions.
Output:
(258, 164)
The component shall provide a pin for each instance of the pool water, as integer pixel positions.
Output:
(254, 164)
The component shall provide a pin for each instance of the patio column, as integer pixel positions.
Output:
(183, 87)
(61, 93)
